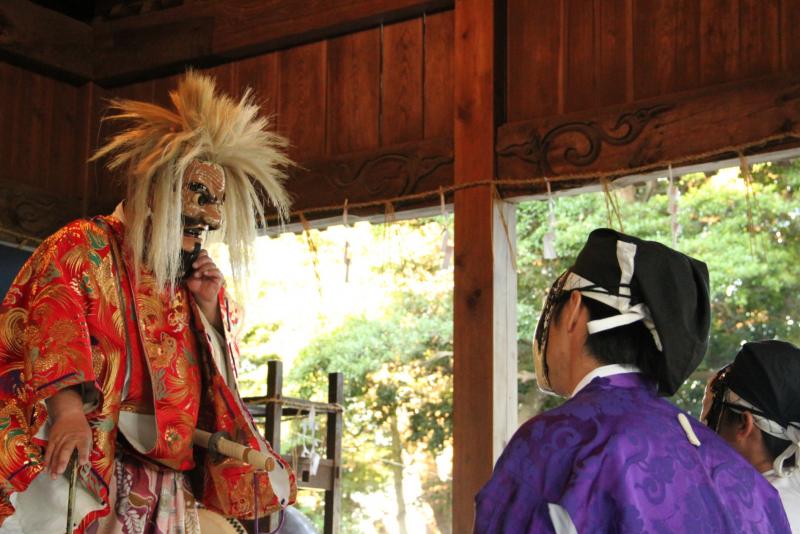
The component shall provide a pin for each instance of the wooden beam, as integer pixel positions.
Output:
(649, 134)
(45, 40)
(333, 448)
(363, 176)
(372, 174)
(213, 31)
(475, 73)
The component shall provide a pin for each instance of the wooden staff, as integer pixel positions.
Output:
(73, 482)
(218, 444)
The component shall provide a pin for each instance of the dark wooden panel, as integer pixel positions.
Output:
(687, 46)
(261, 74)
(302, 99)
(353, 92)
(760, 37)
(401, 95)
(214, 31)
(719, 41)
(579, 72)
(8, 89)
(534, 42)
(47, 39)
(68, 134)
(13, 120)
(611, 47)
(653, 132)
(473, 294)
(109, 188)
(654, 25)
(97, 176)
(87, 124)
(40, 137)
(790, 34)
(18, 126)
(144, 91)
(438, 105)
(162, 88)
(666, 46)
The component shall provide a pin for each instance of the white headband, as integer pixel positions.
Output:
(789, 433)
(626, 252)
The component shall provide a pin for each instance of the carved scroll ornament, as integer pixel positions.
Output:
(378, 175)
(536, 149)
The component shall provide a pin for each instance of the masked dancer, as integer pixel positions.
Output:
(117, 337)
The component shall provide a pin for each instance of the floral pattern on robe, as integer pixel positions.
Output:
(63, 323)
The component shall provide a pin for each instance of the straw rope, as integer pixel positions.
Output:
(521, 182)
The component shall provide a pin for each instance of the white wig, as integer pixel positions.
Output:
(158, 146)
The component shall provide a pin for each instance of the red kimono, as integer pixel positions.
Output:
(74, 317)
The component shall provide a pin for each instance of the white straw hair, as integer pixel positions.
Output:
(160, 143)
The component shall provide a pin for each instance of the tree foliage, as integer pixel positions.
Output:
(398, 381)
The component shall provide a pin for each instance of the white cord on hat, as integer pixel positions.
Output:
(626, 253)
(789, 433)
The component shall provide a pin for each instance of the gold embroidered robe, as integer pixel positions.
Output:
(63, 323)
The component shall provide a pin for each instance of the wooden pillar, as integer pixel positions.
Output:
(504, 364)
(481, 361)
(274, 410)
(272, 421)
(333, 446)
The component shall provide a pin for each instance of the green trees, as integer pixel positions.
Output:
(396, 356)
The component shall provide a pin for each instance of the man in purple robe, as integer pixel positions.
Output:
(626, 324)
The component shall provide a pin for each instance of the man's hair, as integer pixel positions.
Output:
(631, 344)
(774, 446)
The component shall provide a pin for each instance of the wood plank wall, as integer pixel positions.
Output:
(382, 99)
(614, 87)
(43, 142)
(379, 99)
(361, 93)
(566, 56)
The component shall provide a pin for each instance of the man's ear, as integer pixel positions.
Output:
(573, 310)
(746, 425)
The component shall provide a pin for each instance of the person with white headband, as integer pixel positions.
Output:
(754, 404)
(624, 326)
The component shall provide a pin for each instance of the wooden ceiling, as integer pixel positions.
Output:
(116, 42)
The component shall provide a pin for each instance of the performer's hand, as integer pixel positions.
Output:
(205, 283)
(69, 431)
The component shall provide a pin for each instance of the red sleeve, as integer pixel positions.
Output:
(44, 347)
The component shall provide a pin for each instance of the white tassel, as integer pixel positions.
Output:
(447, 246)
(687, 428)
(673, 195)
(347, 258)
(549, 240)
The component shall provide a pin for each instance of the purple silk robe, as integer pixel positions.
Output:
(616, 458)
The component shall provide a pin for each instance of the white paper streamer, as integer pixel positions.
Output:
(447, 246)
(549, 240)
(673, 194)
(347, 258)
